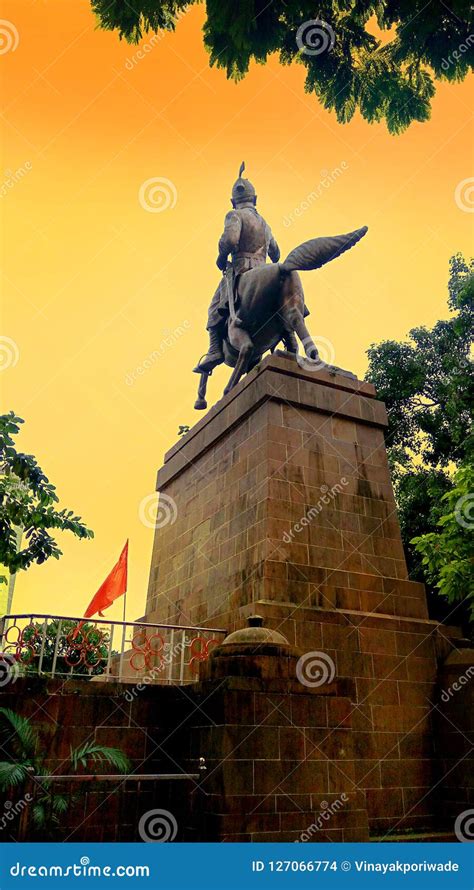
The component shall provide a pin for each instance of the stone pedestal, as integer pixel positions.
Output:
(284, 506)
(282, 493)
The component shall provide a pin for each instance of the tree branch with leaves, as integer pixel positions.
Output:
(448, 553)
(28, 504)
(348, 66)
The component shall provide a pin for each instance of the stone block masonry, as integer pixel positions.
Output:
(282, 492)
(285, 507)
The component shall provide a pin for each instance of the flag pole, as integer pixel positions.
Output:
(126, 587)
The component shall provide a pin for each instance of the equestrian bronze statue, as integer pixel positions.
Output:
(259, 304)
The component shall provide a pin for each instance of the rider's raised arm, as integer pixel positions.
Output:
(230, 237)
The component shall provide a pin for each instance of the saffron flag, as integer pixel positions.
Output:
(114, 586)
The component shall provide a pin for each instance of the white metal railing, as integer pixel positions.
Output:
(98, 649)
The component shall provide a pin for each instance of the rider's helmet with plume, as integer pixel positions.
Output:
(243, 191)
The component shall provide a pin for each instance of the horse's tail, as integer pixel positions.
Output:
(316, 252)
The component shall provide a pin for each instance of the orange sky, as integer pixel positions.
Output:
(93, 284)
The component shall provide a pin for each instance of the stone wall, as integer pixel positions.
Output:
(279, 753)
(283, 761)
(274, 762)
(387, 668)
(148, 726)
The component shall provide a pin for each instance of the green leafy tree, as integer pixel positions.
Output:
(27, 759)
(448, 553)
(427, 385)
(27, 503)
(348, 66)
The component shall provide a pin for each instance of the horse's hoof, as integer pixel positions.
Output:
(200, 404)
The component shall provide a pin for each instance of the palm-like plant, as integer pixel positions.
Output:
(26, 761)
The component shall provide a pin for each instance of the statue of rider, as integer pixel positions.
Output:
(247, 237)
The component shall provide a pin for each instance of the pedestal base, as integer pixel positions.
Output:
(284, 505)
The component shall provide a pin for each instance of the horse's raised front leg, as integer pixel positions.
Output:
(239, 340)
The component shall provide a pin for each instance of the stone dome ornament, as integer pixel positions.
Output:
(253, 651)
(253, 638)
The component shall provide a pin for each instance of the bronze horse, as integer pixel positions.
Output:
(267, 306)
